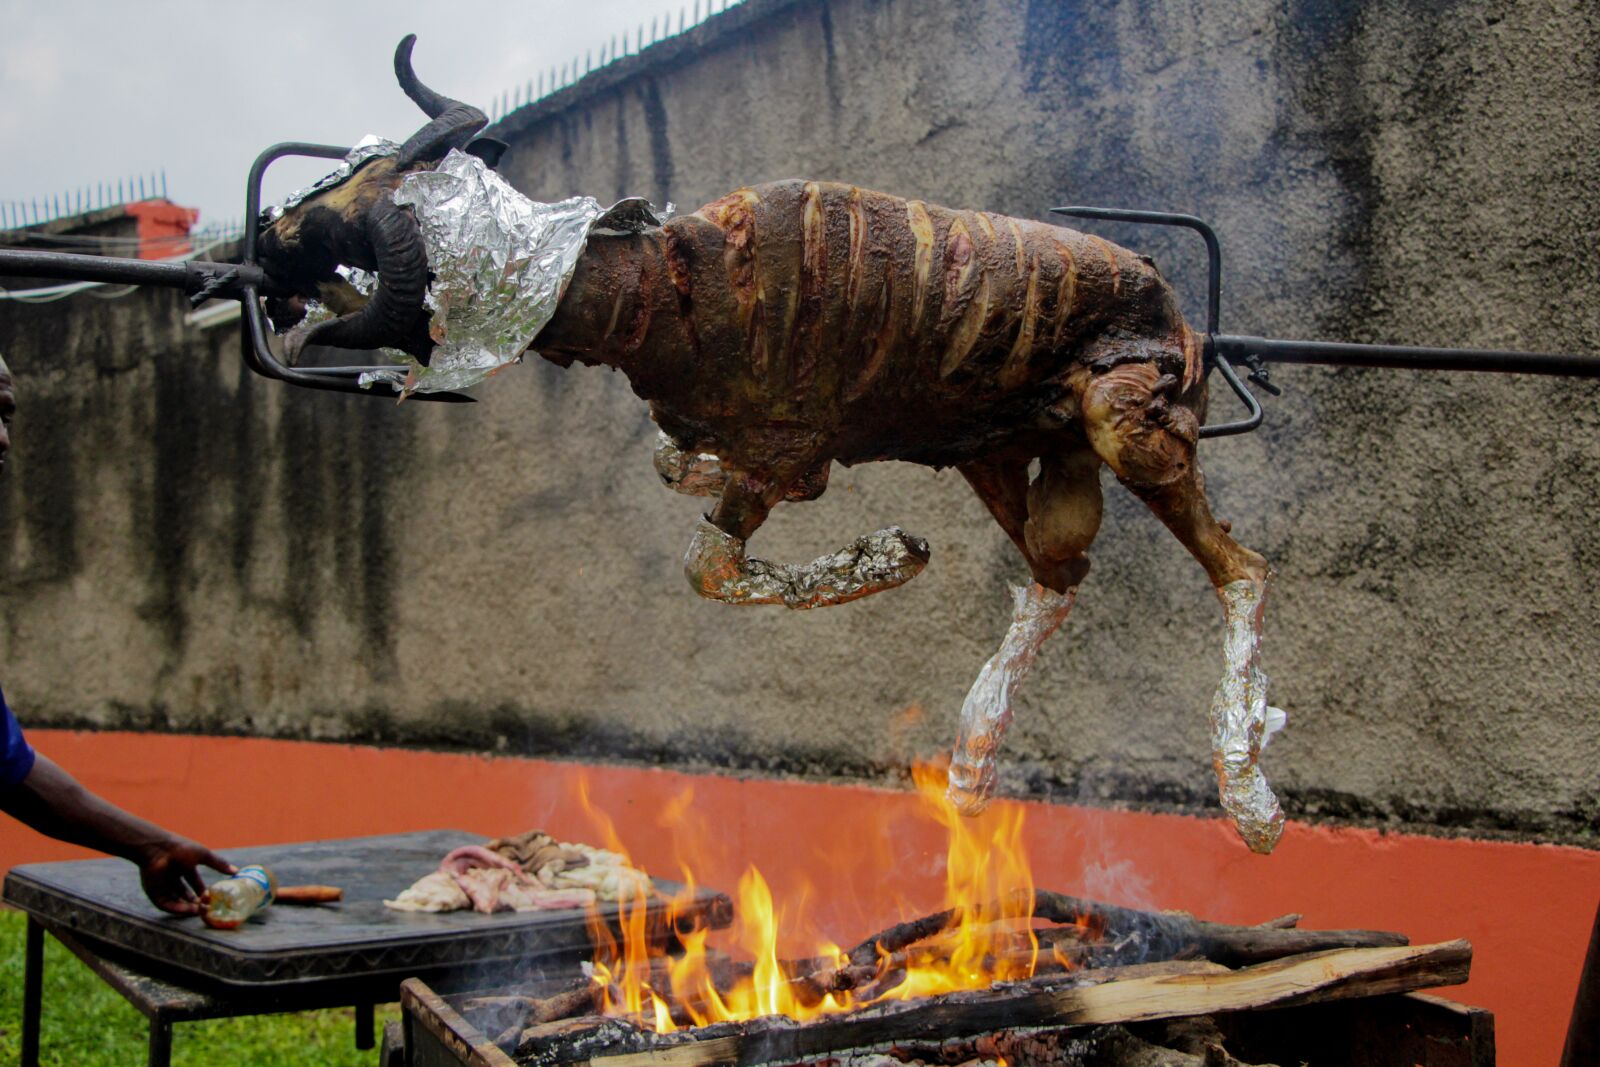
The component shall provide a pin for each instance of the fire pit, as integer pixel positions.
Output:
(1004, 973)
(1174, 1011)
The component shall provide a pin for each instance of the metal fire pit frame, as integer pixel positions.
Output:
(1397, 1030)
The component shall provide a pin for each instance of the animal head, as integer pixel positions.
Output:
(356, 223)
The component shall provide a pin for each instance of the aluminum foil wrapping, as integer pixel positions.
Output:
(369, 147)
(1239, 720)
(717, 568)
(690, 473)
(500, 263)
(1036, 613)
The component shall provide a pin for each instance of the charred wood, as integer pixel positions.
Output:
(1114, 995)
(1162, 935)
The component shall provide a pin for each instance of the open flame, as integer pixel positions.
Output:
(989, 936)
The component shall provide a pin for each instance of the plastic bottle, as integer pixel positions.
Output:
(231, 901)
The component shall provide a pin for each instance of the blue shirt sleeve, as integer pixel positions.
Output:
(16, 755)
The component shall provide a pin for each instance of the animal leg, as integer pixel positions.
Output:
(718, 569)
(687, 471)
(1150, 443)
(696, 473)
(1052, 522)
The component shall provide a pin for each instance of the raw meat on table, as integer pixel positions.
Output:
(530, 872)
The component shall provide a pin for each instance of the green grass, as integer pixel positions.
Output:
(88, 1025)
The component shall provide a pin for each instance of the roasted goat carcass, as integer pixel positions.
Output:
(790, 325)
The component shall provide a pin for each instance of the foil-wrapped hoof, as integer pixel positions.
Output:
(891, 557)
(970, 788)
(1242, 721)
(1255, 810)
(1036, 613)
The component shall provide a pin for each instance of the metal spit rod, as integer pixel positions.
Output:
(1405, 357)
(192, 276)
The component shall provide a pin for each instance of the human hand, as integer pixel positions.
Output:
(169, 872)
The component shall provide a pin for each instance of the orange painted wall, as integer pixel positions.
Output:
(1526, 908)
(163, 228)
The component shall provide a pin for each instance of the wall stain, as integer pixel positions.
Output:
(387, 439)
(830, 63)
(655, 119)
(185, 400)
(623, 183)
(244, 464)
(48, 424)
(303, 448)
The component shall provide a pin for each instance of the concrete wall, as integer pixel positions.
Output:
(187, 548)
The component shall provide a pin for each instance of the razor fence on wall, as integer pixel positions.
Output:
(564, 75)
(35, 211)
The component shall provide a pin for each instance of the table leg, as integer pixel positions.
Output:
(160, 1042)
(32, 991)
(364, 1028)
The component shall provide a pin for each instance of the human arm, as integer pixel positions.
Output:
(54, 803)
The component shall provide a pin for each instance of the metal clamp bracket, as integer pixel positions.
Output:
(257, 352)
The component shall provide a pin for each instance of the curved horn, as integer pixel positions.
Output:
(432, 104)
(453, 123)
(394, 316)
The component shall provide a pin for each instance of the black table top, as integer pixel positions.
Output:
(358, 937)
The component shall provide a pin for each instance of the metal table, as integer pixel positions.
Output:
(354, 953)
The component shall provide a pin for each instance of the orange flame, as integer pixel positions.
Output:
(988, 892)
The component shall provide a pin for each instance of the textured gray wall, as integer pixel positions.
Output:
(191, 549)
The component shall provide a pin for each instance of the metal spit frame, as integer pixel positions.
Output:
(246, 282)
(1256, 352)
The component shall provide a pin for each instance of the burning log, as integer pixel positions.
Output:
(1165, 934)
(1172, 989)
